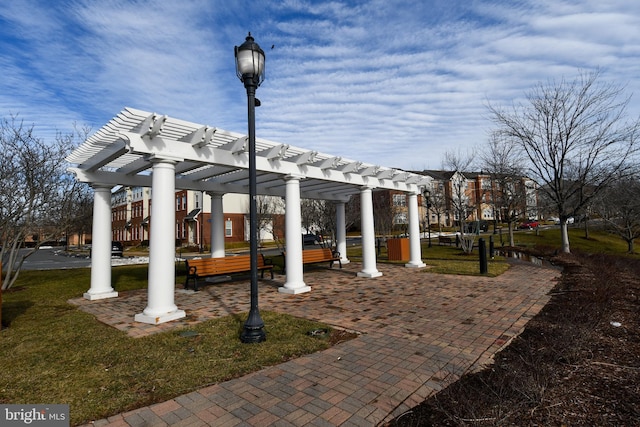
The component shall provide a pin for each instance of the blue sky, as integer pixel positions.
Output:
(388, 82)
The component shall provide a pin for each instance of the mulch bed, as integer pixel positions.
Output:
(576, 364)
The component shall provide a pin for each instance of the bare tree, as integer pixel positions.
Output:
(437, 195)
(267, 208)
(384, 213)
(34, 191)
(504, 163)
(320, 216)
(311, 212)
(80, 214)
(619, 208)
(576, 137)
(462, 199)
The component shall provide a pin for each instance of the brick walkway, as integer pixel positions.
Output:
(420, 332)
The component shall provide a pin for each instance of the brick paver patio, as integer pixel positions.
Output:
(419, 332)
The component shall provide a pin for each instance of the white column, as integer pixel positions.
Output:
(415, 251)
(101, 246)
(369, 268)
(341, 232)
(217, 226)
(162, 281)
(293, 229)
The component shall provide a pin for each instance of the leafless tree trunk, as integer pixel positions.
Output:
(576, 137)
(384, 213)
(505, 165)
(318, 217)
(438, 199)
(310, 212)
(268, 207)
(619, 208)
(462, 201)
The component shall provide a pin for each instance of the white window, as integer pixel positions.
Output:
(399, 200)
(400, 218)
(228, 228)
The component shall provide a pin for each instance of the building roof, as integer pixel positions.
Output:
(212, 159)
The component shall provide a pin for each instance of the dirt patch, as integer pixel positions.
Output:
(577, 362)
(340, 335)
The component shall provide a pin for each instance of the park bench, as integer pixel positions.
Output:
(313, 256)
(449, 240)
(209, 267)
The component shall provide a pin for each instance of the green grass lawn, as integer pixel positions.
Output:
(598, 241)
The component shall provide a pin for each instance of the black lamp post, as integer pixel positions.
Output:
(250, 71)
(427, 201)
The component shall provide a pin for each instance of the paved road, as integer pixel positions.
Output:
(52, 258)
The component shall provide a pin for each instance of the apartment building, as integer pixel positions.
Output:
(456, 196)
(131, 217)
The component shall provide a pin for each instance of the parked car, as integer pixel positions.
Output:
(117, 249)
(310, 239)
(529, 225)
(476, 226)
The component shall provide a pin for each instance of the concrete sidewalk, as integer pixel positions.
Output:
(420, 332)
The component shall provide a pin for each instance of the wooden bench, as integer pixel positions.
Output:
(313, 256)
(449, 240)
(209, 267)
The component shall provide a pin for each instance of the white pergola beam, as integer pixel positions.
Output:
(105, 156)
(298, 166)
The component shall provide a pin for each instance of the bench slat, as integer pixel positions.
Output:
(449, 240)
(207, 267)
(312, 256)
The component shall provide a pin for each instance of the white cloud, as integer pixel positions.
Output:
(374, 80)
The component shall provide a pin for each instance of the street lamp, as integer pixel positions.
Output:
(427, 201)
(250, 71)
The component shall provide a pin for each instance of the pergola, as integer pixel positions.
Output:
(139, 148)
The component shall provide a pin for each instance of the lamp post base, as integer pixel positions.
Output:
(253, 330)
(253, 335)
